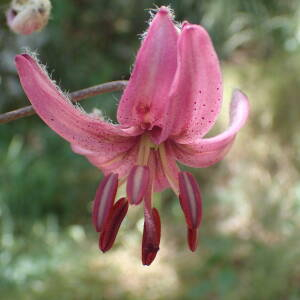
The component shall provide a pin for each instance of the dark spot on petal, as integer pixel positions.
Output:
(142, 108)
(156, 131)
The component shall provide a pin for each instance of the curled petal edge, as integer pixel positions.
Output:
(205, 152)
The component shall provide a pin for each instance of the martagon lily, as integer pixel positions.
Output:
(172, 100)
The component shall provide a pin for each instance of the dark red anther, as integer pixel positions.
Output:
(190, 199)
(151, 236)
(137, 183)
(191, 204)
(192, 238)
(104, 200)
(112, 226)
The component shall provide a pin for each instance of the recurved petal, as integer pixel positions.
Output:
(208, 151)
(144, 100)
(120, 163)
(196, 94)
(192, 156)
(60, 115)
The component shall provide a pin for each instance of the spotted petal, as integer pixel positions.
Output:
(144, 100)
(205, 152)
(60, 115)
(196, 92)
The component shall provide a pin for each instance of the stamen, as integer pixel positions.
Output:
(169, 174)
(192, 239)
(111, 228)
(117, 158)
(144, 150)
(151, 236)
(190, 199)
(104, 199)
(137, 183)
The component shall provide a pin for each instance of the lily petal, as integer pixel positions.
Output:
(196, 93)
(191, 156)
(205, 152)
(114, 161)
(144, 100)
(60, 115)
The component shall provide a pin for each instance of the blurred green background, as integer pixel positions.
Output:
(250, 238)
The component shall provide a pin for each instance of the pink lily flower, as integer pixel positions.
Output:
(172, 100)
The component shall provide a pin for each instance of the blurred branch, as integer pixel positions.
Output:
(74, 96)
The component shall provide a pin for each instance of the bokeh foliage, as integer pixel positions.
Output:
(250, 243)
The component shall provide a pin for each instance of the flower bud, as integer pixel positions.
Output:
(28, 16)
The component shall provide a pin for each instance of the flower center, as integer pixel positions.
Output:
(153, 155)
(152, 160)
